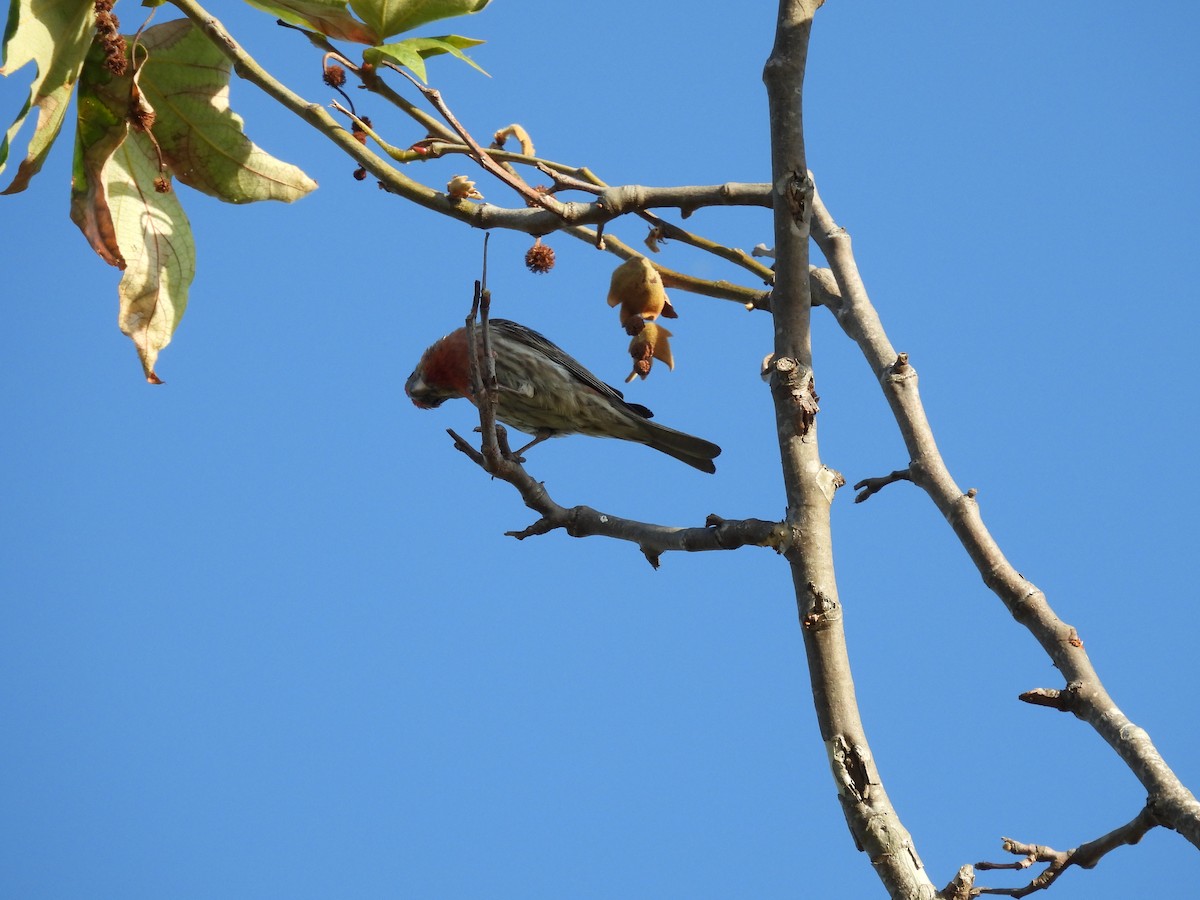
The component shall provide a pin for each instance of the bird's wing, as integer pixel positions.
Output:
(544, 345)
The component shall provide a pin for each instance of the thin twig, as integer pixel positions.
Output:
(434, 96)
(869, 486)
(1086, 856)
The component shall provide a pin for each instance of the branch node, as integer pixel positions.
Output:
(1067, 700)
(851, 768)
(961, 886)
(822, 611)
(795, 381)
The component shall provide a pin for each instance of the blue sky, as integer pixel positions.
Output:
(263, 635)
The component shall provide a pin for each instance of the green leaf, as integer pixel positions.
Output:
(55, 35)
(330, 17)
(401, 53)
(101, 127)
(389, 17)
(453, 44)
(186, 80)
(413, 52)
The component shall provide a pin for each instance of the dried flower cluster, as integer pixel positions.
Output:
(108, 31)
(539, 259)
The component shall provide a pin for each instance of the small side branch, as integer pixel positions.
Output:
(1068, 700)
(654, 540)
(869, 486)
(584, 521)
(1086, 856)
(477, 153)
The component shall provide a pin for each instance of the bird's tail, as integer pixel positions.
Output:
(687, 448)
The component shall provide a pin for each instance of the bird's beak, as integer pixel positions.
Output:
(420, 394)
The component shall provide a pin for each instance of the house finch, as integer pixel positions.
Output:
(546, 393)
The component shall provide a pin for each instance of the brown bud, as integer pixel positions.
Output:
(649, 344)
(108, 28)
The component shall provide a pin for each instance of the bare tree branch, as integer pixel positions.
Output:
(1173, 803)
(584, 521)
(809, 485)
(532, 221)
(1086, 856)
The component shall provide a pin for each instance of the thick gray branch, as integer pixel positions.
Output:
(872, 819)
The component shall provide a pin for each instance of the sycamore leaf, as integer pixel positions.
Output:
(55, 35)
(186, 80)
(330, 17)
(123, 203)
(401, 53)
(169, 115)
(454, 44)
(101, 127)
(413, 52)
(390, 17)
(156, 240)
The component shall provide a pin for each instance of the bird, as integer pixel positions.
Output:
(545, 392)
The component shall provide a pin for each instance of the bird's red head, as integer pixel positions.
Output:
(443, 373)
